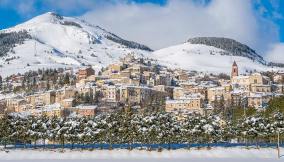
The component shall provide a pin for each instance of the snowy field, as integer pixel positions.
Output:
(214, 155)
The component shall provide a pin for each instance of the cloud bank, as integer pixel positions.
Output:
(276, 53)
(161, 26)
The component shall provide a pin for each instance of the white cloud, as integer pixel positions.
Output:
(276, 53)
(32, 7)
(160, 26)
(23, 7)
(69, 6)
(26, 8)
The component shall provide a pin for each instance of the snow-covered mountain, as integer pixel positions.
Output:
(51, 40)
(211, 54)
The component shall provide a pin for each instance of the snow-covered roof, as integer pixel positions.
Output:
(182, 100)
(259, 94)
(52, 107)
(68, 100)
(216, 88)
(86, 107)
(241, 77)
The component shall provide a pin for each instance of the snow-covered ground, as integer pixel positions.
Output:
(205, 58)
(214, 154)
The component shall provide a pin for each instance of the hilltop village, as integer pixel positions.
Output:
(136, 84)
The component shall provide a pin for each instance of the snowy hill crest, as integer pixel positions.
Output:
(213, 55)
(51, 40)
(230, 47)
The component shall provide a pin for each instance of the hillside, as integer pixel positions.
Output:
(210, 54)
(51, 40)
(230, 47)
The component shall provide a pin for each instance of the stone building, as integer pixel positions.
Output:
(110, 93)
(14, 104)
(260, 88)
(258, 100)
(83, 73)
(86, 110)
(217, 93)
(185, 105)
(139, 95)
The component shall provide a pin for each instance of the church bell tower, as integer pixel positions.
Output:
(235, 70)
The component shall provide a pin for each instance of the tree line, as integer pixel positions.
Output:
(9, 40)
(129, 128)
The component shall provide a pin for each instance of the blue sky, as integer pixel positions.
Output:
(13, 12)
(274, 12)
(11, 15)
(258, 23)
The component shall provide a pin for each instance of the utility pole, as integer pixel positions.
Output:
(35, 50)
(278, 143)
(244, 104)
(245, 111)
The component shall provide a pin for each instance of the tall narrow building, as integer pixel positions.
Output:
(235, 70)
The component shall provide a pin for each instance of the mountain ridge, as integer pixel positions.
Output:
(52, 40)
(236, 48)
(213, 54)
(232, 46)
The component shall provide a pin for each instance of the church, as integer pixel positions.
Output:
(255, 87)
(245, 81)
